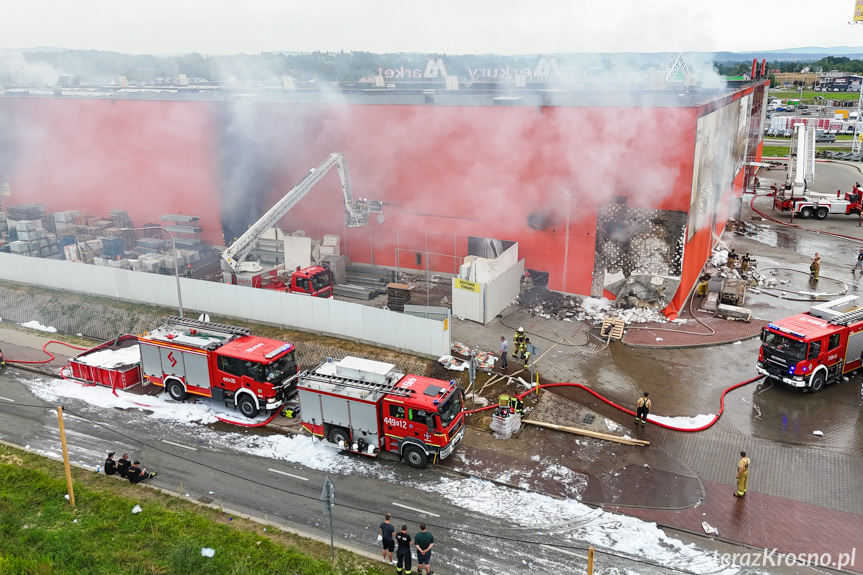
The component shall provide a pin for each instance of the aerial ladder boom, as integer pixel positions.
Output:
(355, 214)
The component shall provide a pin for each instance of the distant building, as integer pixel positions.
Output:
(841, 82)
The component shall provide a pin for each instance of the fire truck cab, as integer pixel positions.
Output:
(315, 281)
(224, 362)
(366, 407)
(813, 349)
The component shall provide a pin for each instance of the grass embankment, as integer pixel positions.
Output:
(783, 151)
(41, 534)
(808, 96)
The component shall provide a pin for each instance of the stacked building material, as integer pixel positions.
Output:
(371, 277)
(397, 296)
(129, 239)
(65, 220)
(33, 240)
(25, 211)
(151, 245)
(330, 246)
(112, 248)
(121, 219)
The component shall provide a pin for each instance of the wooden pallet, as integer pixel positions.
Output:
(397, 296)
(617, 326)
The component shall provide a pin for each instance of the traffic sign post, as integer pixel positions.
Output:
(328, 500)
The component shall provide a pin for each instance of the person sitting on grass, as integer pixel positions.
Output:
(137, 475)
(110, 464)
(123, 465)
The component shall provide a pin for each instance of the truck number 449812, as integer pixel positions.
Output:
(395, 422)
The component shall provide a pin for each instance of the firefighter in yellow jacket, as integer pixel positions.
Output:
(518, 343)
(742, 475)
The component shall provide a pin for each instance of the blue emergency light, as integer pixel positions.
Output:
(279, 350)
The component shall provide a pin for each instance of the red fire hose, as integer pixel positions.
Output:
(52, 357)
(623, 409)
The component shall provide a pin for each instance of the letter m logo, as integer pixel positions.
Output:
(546, 67)
(435, 68)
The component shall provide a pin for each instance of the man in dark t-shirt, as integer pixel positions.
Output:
(423, 542)
(123, 465)
(403, 553)
(387, 531)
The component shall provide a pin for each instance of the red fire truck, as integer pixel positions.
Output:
(365, 406)
(812, 349)
(316, 281)
(818, 207)
(225, 362)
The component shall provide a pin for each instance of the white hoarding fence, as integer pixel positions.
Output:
(341, 319)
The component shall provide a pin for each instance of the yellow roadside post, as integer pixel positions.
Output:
(65, 455)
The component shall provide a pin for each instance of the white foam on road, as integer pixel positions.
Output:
(575, 523)
(685, 422)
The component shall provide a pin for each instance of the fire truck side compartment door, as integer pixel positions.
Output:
(197, 370)
(172, 361)
(151, 360)
(310, 407)
(855, 347)
(336, 409)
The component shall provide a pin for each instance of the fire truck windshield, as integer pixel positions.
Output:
(450, 409)
(285, 365)
(322, 280)
(786, 346)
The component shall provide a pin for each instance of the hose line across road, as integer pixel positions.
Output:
(521, 396)
(630, 412)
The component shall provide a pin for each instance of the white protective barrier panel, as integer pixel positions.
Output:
(502, 290)
(468, 300)
(340, 319)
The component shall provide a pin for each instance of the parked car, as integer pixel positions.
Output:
(787, 133)
(771, 132)
(830, 138)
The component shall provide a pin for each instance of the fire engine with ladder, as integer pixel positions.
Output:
(225, 362)
(316, 281)
(813, 349)
(801, 173)
(365, 406)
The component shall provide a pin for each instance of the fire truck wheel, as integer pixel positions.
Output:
(821, 213)
(247, 406)
(816, 383)
(176, 391)
(806, 212)
(415, 456)
(337, 435)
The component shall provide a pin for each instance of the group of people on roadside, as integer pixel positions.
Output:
(422, 542)
(130, 470)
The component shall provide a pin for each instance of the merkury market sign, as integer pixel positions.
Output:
(435, 68)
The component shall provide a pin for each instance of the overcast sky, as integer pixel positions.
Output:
(445, 26)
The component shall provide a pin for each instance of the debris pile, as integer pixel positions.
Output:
(551, 305)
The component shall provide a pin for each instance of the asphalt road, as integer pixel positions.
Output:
(290, 495)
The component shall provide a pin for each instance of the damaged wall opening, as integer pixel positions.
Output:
(639, 255)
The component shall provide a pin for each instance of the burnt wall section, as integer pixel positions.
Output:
(636, 242)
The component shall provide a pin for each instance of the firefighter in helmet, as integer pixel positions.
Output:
(518, 342)
(188, 272)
